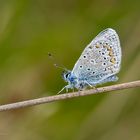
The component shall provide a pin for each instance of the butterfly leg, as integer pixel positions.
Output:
(72, 89)
(61, 89)
(65, 87)
(90, 85)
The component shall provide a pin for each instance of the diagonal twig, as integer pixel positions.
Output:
(48, 99)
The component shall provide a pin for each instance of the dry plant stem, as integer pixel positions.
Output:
(48, 99)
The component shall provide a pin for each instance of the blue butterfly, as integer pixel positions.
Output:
(99, 62)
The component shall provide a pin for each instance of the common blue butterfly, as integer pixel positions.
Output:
(99, 62)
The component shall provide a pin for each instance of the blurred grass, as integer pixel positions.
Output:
(28, 31)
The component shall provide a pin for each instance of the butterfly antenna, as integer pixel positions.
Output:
(57, 65)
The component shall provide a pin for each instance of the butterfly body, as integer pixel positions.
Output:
(99, 62)
(73, 81)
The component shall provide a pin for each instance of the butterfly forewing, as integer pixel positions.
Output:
(100, 59)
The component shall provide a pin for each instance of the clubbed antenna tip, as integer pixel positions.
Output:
(56, 65)
(49, 54)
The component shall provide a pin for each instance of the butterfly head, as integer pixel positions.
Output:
(68, 76)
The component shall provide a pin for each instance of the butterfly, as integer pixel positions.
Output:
(99, 62)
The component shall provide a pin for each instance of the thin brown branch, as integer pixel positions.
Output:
(48, 99)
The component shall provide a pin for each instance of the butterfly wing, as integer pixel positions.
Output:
(100, 59)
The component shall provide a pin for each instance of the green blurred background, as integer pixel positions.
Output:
(29, 29)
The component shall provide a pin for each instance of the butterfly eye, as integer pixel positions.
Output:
(67, 75)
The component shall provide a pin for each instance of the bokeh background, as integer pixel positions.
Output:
(29, 29)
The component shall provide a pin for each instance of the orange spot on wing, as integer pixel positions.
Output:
(113, 60)
(97, 46)
(110, 53)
